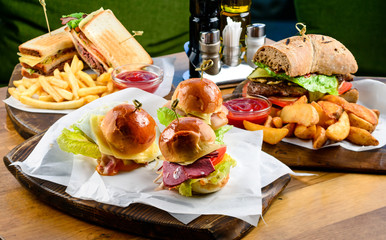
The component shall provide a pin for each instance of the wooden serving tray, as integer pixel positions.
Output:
(137, 218)
(331, 158)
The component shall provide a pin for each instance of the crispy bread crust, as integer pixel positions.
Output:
(300, 55)
(113, 40)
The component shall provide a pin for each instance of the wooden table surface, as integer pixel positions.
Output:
(328, 205)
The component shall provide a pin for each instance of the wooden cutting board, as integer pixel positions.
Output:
(328, 159)
(138, 218)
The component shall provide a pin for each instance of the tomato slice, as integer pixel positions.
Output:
(218, 157)
(282, 101)
(344, 87)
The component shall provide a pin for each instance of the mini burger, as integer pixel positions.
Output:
(124, 139)
(194, 162)
(203, 99)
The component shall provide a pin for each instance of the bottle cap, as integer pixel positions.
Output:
(210, 37)
(256, 30)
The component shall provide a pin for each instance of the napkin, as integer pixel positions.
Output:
(166, 63)
(371, 93)
(240, 198)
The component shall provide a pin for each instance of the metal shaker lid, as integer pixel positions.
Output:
(210, 37)
(256, 30)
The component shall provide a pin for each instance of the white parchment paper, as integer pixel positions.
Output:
(166, 63)
(371, 95)
(240, 198)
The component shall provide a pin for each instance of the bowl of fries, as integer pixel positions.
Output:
(147, 77)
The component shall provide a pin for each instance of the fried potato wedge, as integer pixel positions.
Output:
(302, 99)
(331, 109)
(291, 129)
(270, 135)
(304, 132)
(320, 137)
(324, 120)
(277, 122)
(356, 121)
(362, 112)
(339, 130)
(301, 113)
(361, 137)
(335, 99)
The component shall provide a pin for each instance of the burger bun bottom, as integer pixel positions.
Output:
(197, 187)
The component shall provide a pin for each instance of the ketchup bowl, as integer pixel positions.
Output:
(144, 76)
(252, 109)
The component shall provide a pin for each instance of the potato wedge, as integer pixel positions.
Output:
(320, 137)
(332, 110)
(291, 129)
(335, 99)
(377, 112)
(356, 121)
(339, 130)
(268, 122)
(304, 132)
(270, 135)
(301, 113)
(362, 112)
(324, 120)
(361, 137)
(277, 122)
(302, 99)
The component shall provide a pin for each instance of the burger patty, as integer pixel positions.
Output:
(279, 89)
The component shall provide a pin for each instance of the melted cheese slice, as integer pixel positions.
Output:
(30, 60)
(148, 155)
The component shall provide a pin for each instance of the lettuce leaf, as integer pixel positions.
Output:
(76, 18)
(221, 171)
(166, 116)
(221, 132)
(77, 142)
(313, 82)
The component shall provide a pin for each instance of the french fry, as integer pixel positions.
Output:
(80, 66)
(339, 130)
(81, 84)
(64, 93)
(17, 83)
(22, 88)
(57, 74)
(14, 92)
(91, 90)
(46, 98)
(86, 78)
(72, 80)
(32, 90)
(320, 137)
(110, 87)
(104, 78)
(270, 135)
(49, 89)
(361, 137)
(52, 105)
(90, 98)
(58, 82)
(74, 64)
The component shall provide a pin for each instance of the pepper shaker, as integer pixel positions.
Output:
(255, 38)
(210, 49)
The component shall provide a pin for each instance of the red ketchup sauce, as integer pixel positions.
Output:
(144, 80)
(255, 110)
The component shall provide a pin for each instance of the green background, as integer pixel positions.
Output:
(165, 23)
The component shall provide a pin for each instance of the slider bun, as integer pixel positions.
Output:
(198, 96)
(209, 187)
(127, 130)
(187, 139)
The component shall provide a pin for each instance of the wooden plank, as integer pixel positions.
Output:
(139, 219)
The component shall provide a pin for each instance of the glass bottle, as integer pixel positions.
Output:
(204, 16)
(238, 11)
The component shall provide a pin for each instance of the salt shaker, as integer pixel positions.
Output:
(255, 38)
(210, 49)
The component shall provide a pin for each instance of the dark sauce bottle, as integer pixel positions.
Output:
(204, 16)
